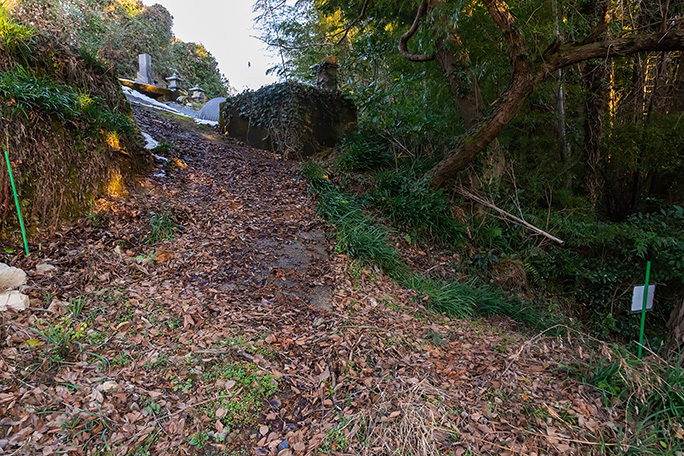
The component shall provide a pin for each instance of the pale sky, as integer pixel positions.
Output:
(224, 28)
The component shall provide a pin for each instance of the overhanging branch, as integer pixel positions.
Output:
(671, 40)
(403, 41)
(348, 28)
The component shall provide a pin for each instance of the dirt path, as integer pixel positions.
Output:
(247, 334)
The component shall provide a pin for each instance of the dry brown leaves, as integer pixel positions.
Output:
(151, 362)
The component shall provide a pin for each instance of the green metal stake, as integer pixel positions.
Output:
(16, 200)
(643, 309)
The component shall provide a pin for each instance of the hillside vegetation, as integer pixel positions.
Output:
(117, 31)
(448, 101)
(66, 126)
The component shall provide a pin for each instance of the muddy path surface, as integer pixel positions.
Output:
(208, 313)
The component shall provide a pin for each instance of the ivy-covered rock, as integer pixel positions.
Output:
(290, 118)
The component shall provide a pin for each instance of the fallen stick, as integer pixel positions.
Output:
(522, 222)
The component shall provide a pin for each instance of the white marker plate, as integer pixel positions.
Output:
(638, 298)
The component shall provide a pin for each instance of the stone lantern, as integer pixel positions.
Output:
(173, 82)
(197, 93)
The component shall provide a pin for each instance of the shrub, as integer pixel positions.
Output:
(603, 260)
(364, 152)
(410, 203)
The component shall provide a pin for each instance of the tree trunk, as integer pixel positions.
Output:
(560, 104)
(678, 91)
(455, 64)
(594, 80)
(453, 59)
(475, 141)
(524, 83)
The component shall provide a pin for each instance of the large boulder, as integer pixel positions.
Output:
(293, 119)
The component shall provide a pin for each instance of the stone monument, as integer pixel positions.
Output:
(144, 69)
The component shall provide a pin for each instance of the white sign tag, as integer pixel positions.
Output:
(638, 298)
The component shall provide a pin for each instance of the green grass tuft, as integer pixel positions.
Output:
(411, 204)
(361, 152)
(163, 226)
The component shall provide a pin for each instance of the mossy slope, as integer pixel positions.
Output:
(67, 127)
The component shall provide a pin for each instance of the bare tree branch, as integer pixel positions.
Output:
(348, 28)
(403, 42)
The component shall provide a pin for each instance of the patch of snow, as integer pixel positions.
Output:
(159, 174)
(150, 142)
(206, 122)
(160, 158)
(144, 100)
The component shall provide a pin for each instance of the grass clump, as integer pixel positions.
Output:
(648, 394)
(358, 234)
(410, 203)
(163, 226)
(60, 337)
(16, 39)
(26, 93)
(361, 152)
(363, 237)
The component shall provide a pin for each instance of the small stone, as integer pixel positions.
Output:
(285, 444)
(4, 444)
(11, 277)
(13, 300)
(44, 268)
(135, 407)
(109, 386)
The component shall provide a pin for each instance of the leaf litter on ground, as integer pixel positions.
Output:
(240, 331)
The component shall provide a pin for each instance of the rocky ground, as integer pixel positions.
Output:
(208, 313)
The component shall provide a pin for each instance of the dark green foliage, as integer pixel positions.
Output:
(23, 94)
(410, 203)
(363, 151)
(603, 260)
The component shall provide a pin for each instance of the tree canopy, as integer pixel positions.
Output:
(117, 31)
(490, 55)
